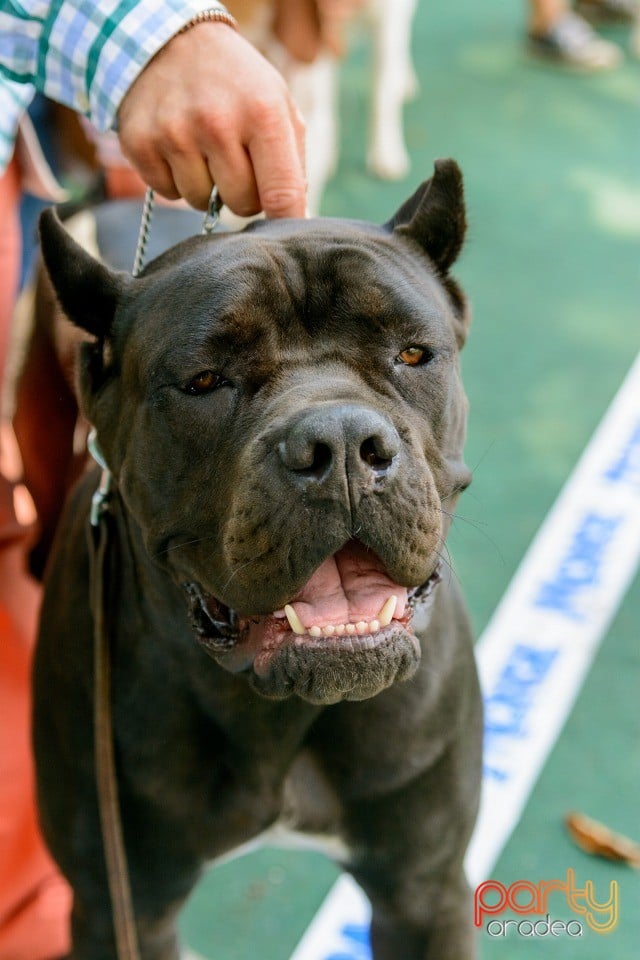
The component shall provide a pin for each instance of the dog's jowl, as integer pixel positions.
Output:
(283, 416)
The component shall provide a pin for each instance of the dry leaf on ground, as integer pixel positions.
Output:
(596, 838)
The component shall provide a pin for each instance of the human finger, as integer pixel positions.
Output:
(233, 174)
(276, 150)
(141, 151)
(192, 177)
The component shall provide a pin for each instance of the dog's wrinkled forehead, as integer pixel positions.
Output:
(284, 282)
(300, 276)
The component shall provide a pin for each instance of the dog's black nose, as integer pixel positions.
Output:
(339, 443)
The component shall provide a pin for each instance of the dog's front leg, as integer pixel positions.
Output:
(450, 938)
(92, 923)
(408, 856)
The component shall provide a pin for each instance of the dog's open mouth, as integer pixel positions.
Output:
(349, 595)
(349, 603)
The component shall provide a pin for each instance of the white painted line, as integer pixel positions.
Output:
(535, 652)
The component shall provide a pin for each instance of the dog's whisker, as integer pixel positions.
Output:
(178, 546)
(240, 568)
(479, 526)
(484, 455)
(447, 560)
(458, 516)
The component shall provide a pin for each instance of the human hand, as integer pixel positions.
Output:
(209, 109)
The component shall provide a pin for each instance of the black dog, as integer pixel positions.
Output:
(283, 415)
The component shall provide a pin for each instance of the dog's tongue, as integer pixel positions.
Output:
(348, 587)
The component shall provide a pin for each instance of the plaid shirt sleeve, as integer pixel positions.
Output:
(83, 53)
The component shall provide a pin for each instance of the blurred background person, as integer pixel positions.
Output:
(563, 34)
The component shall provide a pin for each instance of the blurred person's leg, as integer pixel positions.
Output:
(34, 900)
(557, 33)
(10, 249)
(544, 13)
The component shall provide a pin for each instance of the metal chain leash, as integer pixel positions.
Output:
(209, 223)
(143, 235)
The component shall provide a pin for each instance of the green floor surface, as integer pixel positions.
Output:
(552, 265)
(258, 906)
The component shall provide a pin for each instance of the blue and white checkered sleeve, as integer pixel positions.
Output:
(14, 100)
(87, 54)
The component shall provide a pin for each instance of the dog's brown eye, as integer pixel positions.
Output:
(204, 382)
(415, 356)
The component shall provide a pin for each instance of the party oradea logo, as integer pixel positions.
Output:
(534, 903)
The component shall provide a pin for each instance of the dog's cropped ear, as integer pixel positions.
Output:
(435, 215)
(87, 290)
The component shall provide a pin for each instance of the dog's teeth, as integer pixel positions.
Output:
(294, 620)
(340, 629)
(386, 614)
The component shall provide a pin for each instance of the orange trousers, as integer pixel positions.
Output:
(34, 899)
